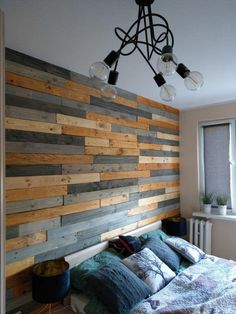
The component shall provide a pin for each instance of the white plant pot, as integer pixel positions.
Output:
(207, 208)
(222, 209)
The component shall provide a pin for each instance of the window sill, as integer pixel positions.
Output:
(213, 215)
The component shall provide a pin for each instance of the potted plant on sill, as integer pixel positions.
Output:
(222, 204)
(207, 199)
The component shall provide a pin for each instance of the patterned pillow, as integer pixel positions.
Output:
(148, 267)
(186, 249)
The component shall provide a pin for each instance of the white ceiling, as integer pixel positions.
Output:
(75, 33)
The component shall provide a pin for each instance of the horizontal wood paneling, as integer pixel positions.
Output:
(80, 170)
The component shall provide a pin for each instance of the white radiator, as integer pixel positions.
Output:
(200, 234)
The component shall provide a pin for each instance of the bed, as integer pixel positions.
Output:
(207, 286)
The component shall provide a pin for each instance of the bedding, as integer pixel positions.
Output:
(208, 287)
(149, 268)
(164, 252)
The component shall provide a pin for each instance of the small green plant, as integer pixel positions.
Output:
(207, 198)
(222, 200)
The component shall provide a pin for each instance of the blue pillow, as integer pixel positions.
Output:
(118, 288)
(80, 272)
(164, 252)
(153, 234)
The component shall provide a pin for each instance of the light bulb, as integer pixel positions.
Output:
(108, 92)
(166, 64)
(167, 92)
(194, 80)
(99, 70)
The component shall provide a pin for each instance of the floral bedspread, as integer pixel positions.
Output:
(208, 287)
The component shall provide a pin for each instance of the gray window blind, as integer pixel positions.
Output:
(216, 159)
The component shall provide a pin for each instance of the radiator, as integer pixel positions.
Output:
(200, 234)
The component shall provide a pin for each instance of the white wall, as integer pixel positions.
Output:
(224, 232)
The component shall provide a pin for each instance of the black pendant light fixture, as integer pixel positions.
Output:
(150, 35)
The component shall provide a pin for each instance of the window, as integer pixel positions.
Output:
(217, 159)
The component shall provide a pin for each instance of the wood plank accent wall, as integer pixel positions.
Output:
(79, 170)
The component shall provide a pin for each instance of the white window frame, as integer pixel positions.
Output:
(232, 156)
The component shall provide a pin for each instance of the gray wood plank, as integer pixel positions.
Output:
(38, 137)
(40, 148)
(151, 193)
(32, 250)
(98, 212)
(35, 74)
(29, 205)
(38, 170)
(115, 160)
(12, 232)
(159, 153)
(68, 169)
(160, 210)
(42, 225)
(158, 179)
(97, 186)
(164, 130)
(169, 202)
(35, 63)
(160, 112)
(30, 114)
(164, 172)
(81, 197)
(126, 129)
(153, 140)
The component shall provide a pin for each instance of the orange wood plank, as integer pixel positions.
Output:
(42, 214)
(124, 175)
(16, 267)
(116, 120)
(20, 242)
(156, 166)
(142, 209)
(77, 131)
(157, 185)
(150, 220)
(113, 151)
(35, 193)
(159, 123)
(44, 159)
(25, 82)
(154, 104)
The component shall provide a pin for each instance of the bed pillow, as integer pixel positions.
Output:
(118, 288)
(132, 244)
(79, 273)
(164, 252)
(191, 252)
(153, 234)
(148, 267)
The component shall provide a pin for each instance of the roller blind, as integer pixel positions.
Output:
(216, 159)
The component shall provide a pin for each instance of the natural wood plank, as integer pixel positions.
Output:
(142, 209)
(43, 214)
(115, 200)
(16, 267)
(77, 131)
(111, 151)
(95, 141)
(164, 119)
(25, 82)
(33, 126)
(83, 89)
(53, 180)
(161, 147)
(124, 175)
(158, 198)
(122, 144)
(35, 193)
(154, 104)
(126, 102)
(158, 123)
(172, 189)
(162, 216)
(116, 120)
(166, 136)
(20, 242)
(157, 185)
(46, 159)
(84, 123)
(114, 233)
(157, 166)
(19, 277)
(147, 160)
